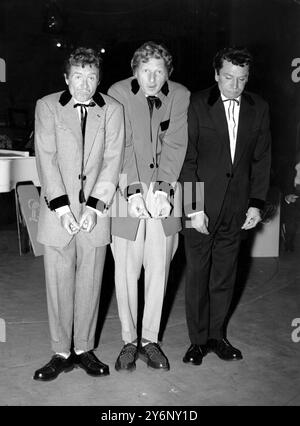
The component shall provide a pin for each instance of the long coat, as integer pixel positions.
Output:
(150, 161)
(59, 149)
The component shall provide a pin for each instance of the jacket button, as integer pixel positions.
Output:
(228, 175)
(151, 166)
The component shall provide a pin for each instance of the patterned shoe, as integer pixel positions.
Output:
(154, 356)
(127, 357)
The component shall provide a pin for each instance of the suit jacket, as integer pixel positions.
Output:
(158, 160)
(58, 147)
(208, 158)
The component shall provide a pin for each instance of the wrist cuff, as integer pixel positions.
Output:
(57, 202)
(135, 188)
(256, 202)
(164, 187)
(96, 204)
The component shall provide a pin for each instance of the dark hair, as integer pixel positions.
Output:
(82, 56)
(150, 50)
(236, 55)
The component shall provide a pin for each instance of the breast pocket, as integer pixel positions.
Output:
(164, 125)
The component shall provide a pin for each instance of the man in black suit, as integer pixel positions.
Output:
(229, 151)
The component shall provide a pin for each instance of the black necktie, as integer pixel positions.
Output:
(153, 100)
(83, 116)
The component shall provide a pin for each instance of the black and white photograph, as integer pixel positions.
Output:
(149, 207)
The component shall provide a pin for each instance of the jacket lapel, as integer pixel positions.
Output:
(218, 116)
(94, 118)
(140, 109)
(246, 117)
(157, 117)
(71, 120)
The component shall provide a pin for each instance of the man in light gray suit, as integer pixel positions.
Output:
(79, 137)
(156, 140)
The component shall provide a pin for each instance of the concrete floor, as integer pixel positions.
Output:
(261, 326)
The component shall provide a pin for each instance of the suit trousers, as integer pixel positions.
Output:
(73, 282)
(210, 276)
(153, 250)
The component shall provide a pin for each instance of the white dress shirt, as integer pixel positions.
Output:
(232, 111)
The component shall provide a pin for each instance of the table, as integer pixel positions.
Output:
(17, 171)
(15, 167)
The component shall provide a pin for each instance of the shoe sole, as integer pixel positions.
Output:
(229, 359)
(66, 370)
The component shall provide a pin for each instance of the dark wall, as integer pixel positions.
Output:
(192, 29)
(271, 30)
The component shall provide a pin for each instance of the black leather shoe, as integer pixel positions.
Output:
(55, 366)
(91, 364)
(127, 357)
(224, 349)
(154, 356)
(195, 354)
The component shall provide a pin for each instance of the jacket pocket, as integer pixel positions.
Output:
(164, 125)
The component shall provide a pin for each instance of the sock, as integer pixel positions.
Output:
(63, 354)
(132, 343)
(145, 342)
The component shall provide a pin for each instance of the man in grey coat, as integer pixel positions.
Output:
(79, 137)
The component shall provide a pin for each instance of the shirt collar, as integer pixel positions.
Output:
(84, 103)
(225, 99)
(66, 97)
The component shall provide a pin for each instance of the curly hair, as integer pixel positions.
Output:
(150, 50)
(82, 56)
(236, 55)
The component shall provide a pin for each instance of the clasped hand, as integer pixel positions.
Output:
(87, 222)
(159, 209)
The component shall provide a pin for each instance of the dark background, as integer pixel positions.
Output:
(192, 29)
